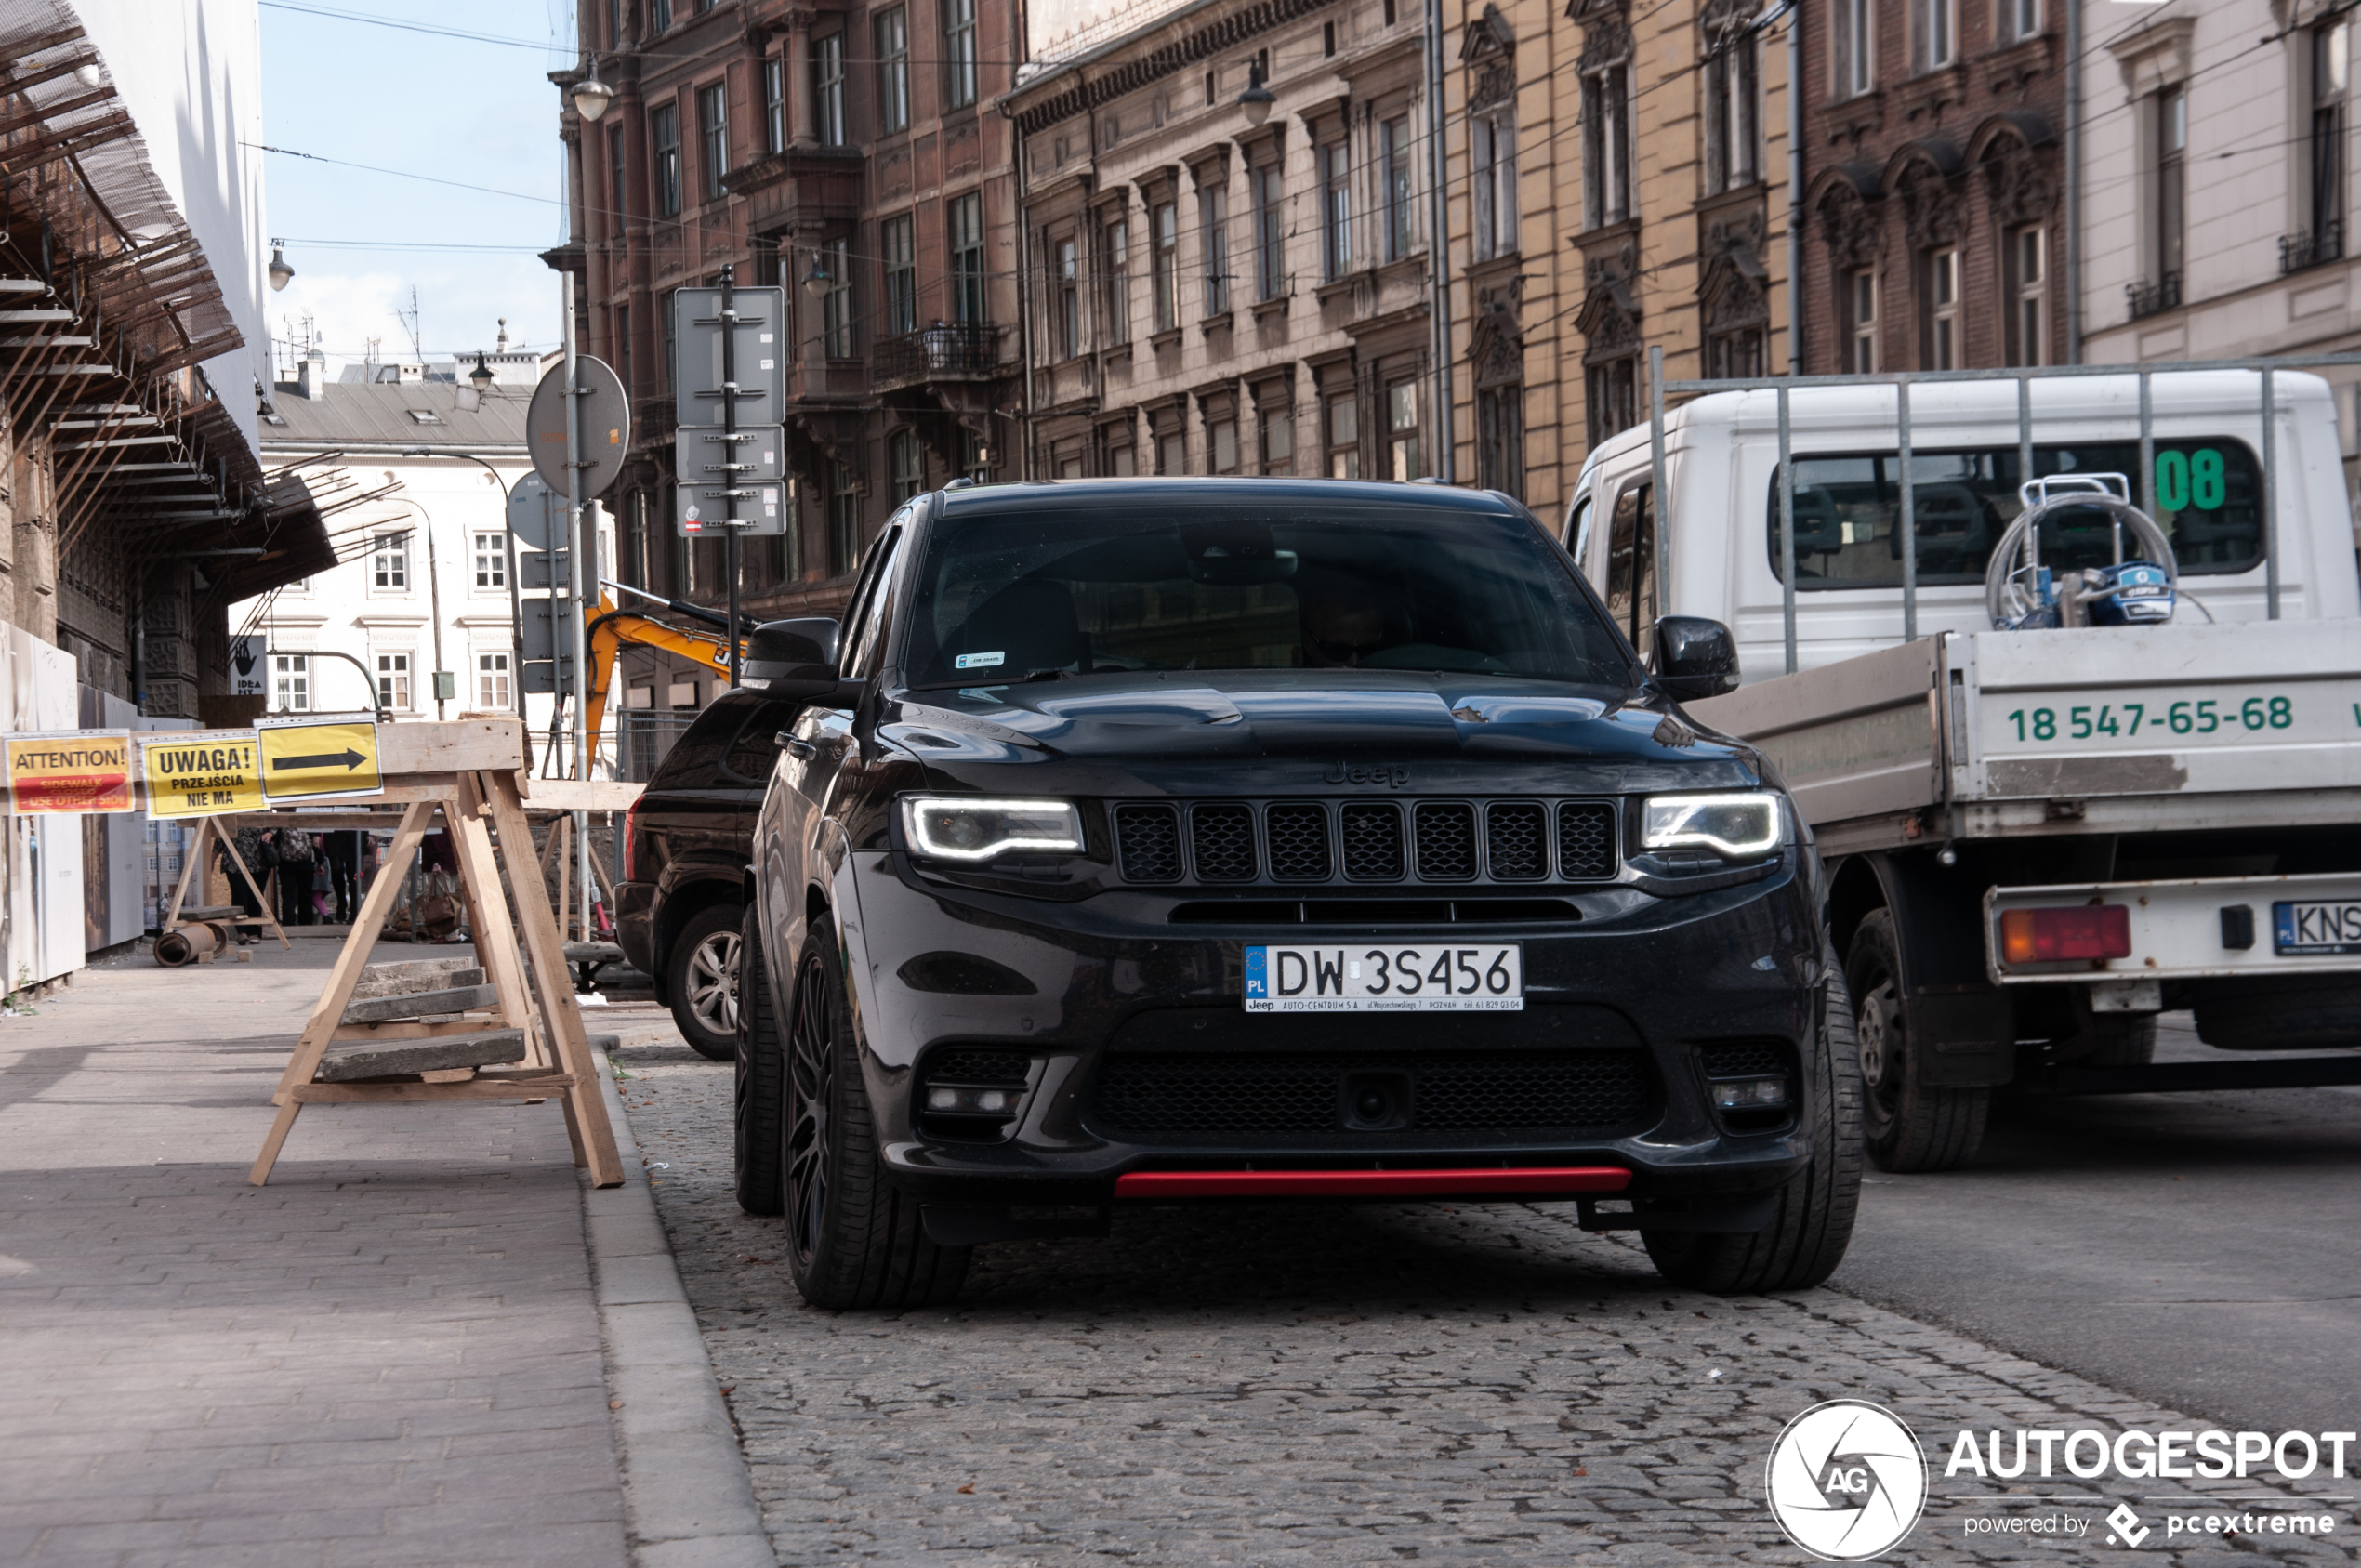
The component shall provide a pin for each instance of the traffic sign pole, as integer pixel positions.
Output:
(574, 605)
(730, 449)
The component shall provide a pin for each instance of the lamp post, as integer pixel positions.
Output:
(1257, 100)
(592, 97)
(280, 273)
(509, 546)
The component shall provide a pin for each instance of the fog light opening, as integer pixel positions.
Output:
(1750, 1094)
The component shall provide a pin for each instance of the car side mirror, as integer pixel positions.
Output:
(1694, 658)
(794, 658)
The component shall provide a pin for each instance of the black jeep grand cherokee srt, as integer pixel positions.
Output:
(1170, 841)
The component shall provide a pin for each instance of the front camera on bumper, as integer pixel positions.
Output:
(966, 828)
(1735, 825)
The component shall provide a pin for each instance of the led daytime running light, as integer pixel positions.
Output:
(1737, 825)
(992, 826)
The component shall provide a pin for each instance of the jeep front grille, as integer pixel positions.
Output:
(1237, 843)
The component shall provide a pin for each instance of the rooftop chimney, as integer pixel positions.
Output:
(313, 375)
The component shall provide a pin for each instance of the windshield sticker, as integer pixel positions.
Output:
(979, 661)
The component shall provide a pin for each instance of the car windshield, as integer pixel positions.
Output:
(1009, 596)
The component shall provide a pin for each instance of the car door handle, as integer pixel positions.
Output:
(801, 747)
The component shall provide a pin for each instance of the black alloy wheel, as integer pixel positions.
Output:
(758, 1104)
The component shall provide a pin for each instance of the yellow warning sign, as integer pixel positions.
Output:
(200, 773)
(69, 770)
(304, 759)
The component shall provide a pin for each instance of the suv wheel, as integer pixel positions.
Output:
(704, 982)
(759, 1106)
(853, 1240)
(1911, 1125)
(1812, 1224)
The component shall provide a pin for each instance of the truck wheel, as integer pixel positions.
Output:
(704, 982)
(1813, 1222)
(1911, 1125)
(853, 1240)
(761, 1106)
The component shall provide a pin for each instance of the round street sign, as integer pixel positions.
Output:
(606, 427)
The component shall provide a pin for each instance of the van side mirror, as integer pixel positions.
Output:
(794, 658)
(1694, 658)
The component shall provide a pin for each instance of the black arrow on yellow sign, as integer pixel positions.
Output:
(349, 758)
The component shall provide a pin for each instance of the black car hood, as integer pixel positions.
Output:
(1337, 719)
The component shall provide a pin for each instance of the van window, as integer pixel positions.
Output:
(1578, 534)
(751, 754)
(695, 760)
(2206, 494)
(1631, 564)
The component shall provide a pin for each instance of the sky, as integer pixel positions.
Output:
(456, 109)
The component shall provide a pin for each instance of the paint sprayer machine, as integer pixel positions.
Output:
(2140, 588)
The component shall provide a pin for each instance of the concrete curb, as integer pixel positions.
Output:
(688, 1500)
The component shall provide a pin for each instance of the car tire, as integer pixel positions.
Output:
(1909, 1126)
(854, 1239)
(1811, 1218)
(759, 1106)
(702, 982)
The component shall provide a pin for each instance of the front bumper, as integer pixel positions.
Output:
(1660, 980)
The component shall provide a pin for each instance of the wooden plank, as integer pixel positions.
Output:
(456, 746)
(583, 795)
(370, 919)
(416, 1031)
(478, 1088)
(267, 894)
(194, 857)
(548, 957)
(496, 945)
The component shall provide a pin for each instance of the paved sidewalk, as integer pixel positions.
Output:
(388, 1357)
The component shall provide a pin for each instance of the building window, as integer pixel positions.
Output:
(975, 458)
(1168, 222)
(389, 562)
(1934, 33)
(900, 274)
(492, 690)
(1606, 143)
(291, 682)
(1270, 232)
(1393, 146)
(1611, 388)
(1852, 44)
(713, 134)
(827, 65)
(1069, 299)
(1344, 437)
(2172, 189)
(1861, 321)
(1213, 210)
(1221, 436)
(893, 70)
(2028, 284)
(908, 465)
(774, 104)
(1278, 439)
(492, 561)
(1336, 211)
(623, 349)
(669, 315)
(1733, 131)
(1495, 137)
(393, 681)
(617, 195)
(663, 132)
(959, 52)
(1172, 448)
(967, 259)
(835, 306)
(844, 520)
(2325, 211)
(659, 16)
(1942, 295)
(1501, 440)
(1402, 431)
(2020, 19)
(1119, 239)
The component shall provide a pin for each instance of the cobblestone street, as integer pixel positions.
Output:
(1306, 1385)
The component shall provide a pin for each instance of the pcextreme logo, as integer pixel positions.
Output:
(1846, 1480)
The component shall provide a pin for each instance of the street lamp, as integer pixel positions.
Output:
(280, 273)
(1256, 100)
(481, 374)
(815, 282)
(591, 96)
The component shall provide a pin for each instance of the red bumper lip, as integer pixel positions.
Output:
(1486, 1182)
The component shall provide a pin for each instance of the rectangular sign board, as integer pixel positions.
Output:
(198, 773)
(315, 755)
(250, 665)
(54, 770)
(700, 455)
(761, 351)
(548, 646)
(763, 509)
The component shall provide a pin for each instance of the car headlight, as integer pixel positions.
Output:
(964, 827)
(1735, 825)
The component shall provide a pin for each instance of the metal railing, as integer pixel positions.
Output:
(2146, 298)
(947, 350)
(1901, 381)
(644, 737)
(2314, 248)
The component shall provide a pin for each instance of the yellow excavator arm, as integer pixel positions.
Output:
(607, 630)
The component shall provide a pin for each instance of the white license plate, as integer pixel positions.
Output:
(1430, 977)
(2310, 930)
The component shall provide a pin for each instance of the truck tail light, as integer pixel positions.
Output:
(2064, 936)
(632, 843)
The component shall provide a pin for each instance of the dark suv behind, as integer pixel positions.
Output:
(684, 858)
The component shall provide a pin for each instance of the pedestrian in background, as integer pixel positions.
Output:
(344, 873)
(255, 850)
(294, 878)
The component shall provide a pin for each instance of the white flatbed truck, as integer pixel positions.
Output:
(2036, 840)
